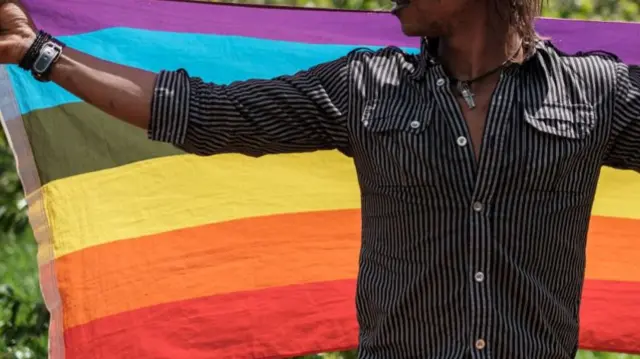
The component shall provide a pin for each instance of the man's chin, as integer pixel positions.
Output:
(410, 29)
(417, 29)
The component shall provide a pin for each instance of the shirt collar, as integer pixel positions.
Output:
(427, 59)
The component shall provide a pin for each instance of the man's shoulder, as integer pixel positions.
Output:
(590, 74)
(590, 66)
(388, 63)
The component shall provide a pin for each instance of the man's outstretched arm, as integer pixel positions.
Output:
(302, 112)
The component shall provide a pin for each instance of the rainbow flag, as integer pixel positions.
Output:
(147, 252)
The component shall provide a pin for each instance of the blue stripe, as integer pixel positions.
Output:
(215, 58)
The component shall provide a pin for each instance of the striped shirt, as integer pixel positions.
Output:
(460, 257)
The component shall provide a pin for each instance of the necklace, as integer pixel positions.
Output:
(464, 87)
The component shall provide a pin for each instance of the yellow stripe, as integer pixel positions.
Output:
(618, 194)
(176, 192)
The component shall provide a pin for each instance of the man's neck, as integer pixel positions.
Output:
(477, 46)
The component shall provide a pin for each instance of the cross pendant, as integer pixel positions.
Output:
(466, 93)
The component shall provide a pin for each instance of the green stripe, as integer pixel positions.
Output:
(77, 138)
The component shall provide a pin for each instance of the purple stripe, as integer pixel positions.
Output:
(68, 17)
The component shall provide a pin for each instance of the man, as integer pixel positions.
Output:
(477, 160)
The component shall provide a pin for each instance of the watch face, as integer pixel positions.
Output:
(44, 60)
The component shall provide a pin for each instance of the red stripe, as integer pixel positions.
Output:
(269, 323)
(610, 316)
(297, 320)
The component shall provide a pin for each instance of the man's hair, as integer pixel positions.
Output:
(521, 15)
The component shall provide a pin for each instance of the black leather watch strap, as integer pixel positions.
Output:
(34, 50)
(42, 54)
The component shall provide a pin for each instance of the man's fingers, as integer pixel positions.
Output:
(22, 7)
(26, 13)
(6, 47)
(5, 2)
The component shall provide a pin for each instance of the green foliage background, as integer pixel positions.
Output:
(23, 317)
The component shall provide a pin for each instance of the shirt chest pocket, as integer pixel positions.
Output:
(396, 142)
(553, 152)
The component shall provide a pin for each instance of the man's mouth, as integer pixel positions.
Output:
(399, 5)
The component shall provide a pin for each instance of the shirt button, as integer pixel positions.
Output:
(365, 123)
(462, 141)
(440, 82)
(415, 124)
(477, 206)
(480, 344)
(479, 277)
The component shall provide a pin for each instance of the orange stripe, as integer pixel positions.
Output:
(613, 249)
(292, 248)
(208, 260)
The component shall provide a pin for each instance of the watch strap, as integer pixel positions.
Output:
(41, 55)
(34, 50)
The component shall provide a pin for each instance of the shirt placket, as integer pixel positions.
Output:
(481, 187)
(483, 239)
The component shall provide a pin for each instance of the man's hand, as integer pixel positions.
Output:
(17, 31)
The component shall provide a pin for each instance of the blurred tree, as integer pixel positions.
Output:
(13, 217)
(24, 319)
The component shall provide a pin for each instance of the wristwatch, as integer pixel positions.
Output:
(49, 54)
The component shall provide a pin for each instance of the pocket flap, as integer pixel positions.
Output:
(573, 121)
(389, 115)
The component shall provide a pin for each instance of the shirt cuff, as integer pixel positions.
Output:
(170, 108)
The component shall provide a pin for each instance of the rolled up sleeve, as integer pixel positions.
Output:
(624, 147)
(303, 112)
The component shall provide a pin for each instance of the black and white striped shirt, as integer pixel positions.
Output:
(459, 257)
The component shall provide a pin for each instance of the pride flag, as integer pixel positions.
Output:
(147, 252)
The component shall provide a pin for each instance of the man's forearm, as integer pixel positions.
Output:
(293, 113)
(123, 92)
